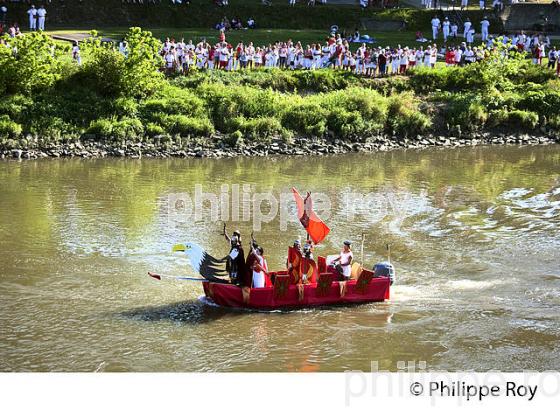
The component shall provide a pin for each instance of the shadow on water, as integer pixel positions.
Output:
(194, 313)
(200, 312)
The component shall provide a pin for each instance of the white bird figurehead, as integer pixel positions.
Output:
(210, 268)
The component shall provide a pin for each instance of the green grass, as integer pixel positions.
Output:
(258, 37)
(203, 13)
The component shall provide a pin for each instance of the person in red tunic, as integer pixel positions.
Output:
(450, 57)
(294, 261)
(308, 266)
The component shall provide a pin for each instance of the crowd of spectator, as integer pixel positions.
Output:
(337, 53)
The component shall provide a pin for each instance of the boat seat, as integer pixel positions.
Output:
(356, 270)
(324, 284)
(281, 285)
(364, 278)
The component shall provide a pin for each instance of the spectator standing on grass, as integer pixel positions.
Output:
(467, 27)
(459, 56)
(454, 30)
(123, 48)
(450, 57)
(552, 57)
(435, 27)
(470, 37)
(464, 4)
(482, 4)
(41, 16)
(446, 28)
(484, 25)
(32, 13)
(76, 53)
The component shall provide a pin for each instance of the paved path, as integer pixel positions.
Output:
(78, 37)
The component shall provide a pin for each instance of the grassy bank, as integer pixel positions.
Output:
(204, 13)
(259, 37)
(46, 98)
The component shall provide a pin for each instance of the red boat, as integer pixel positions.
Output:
(327, 291)
(286, 291)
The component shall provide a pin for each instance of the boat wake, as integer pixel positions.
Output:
(207, 301)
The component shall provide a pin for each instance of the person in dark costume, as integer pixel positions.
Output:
(235, 264)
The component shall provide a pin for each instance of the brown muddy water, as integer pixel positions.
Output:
(475, 241)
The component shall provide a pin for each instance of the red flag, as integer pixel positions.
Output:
(314, 226)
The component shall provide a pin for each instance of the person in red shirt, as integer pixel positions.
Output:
(450, 57)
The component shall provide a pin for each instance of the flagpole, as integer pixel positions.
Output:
(362, 256)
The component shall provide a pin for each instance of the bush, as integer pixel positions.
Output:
(466, 111)
(127, 129)
(235, 139)
(53, 129)
(154, 129)
(173, 100)
(404, 117)
(545, 102)
(102, 127)
(36, 66)
(523, 119)
(426, 80)
(258, 128)
(370, 104)
(187, 126)
(307, 118)
(226, 102)
(8, 128)
(116, 130)
(109, 72)
(125, 107)
(15, 106)
(347, 124)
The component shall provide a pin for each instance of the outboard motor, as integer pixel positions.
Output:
(385, 269)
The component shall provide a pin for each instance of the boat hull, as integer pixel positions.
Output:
(377, 290)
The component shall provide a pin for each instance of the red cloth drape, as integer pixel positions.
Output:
(314, 226)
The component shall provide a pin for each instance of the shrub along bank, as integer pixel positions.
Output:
(46, 100)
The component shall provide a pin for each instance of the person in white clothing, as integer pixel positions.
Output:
(445, 28)
(454, 30)
(482, 4)
(41, 15)
(468, 25)
(344, 260)
(260, 268)
(470, 36)
(464, 4)
(32, 12)
(76, 53)
(435, 27)
(484, 24)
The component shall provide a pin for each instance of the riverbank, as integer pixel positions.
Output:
(217, 148)
(112, 105)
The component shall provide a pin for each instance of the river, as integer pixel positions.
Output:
(474, 235)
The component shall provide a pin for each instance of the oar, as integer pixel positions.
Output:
(159, 276)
